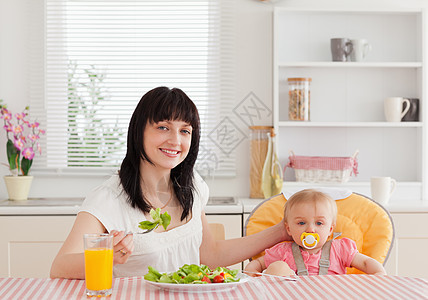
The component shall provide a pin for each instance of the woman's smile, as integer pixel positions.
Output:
(167, 143)
(169, 152)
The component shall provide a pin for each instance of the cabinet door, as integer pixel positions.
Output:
(232, 224)
(407, 257)
(232, 228)
(30, 243)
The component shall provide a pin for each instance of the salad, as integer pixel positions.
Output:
(158, 219)
(193, 274)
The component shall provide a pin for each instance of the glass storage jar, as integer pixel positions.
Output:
(299, 99)
(258, 150)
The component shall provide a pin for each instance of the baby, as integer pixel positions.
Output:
(309, 218)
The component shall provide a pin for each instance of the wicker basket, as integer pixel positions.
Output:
(322, 168)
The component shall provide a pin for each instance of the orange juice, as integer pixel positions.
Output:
(98, 268)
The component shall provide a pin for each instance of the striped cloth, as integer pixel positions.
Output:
(307, 287)
(323, 163)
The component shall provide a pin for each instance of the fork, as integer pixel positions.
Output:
(144, 232)
(275, 276)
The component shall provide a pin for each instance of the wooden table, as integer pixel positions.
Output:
(307, 287)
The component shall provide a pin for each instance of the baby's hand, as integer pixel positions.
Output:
(380, 273)
(252, 268)
(280, 268)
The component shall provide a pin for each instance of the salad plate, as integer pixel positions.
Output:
(200, 288)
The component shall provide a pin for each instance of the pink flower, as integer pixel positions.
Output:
(17, 129)
(8, 127)
(20, 116)
(33, 137)
(34, 125)
(6, 115)
(28, 153)
(18, 144)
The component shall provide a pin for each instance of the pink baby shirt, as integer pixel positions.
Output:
(341, 255)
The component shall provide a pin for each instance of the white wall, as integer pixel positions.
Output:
(254, 74)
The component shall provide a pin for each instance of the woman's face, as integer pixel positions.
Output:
(310, 217)
(167, 143)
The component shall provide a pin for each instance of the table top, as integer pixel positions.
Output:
(306, 287)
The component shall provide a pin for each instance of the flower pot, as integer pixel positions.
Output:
(18, 187)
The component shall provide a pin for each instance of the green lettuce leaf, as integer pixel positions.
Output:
(153, 275)
(154, 271)
(148, 225)
(158, 219)
(165, 219)
(166, 279)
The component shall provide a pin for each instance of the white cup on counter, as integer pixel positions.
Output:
(382, 189)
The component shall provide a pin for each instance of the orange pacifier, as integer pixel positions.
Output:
(309, 240)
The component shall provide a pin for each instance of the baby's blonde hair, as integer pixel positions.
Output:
(310, 196)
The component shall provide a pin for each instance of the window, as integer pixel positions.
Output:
(101, 56)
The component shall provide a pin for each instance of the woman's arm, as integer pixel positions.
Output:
(367, 264)
(228, 252)
(70, 261)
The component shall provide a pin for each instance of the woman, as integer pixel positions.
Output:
(157, 172)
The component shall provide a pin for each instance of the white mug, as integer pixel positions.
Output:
(393, 108)
(360, 48)
(382, 189)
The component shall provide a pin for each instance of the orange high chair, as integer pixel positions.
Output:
(358, 217)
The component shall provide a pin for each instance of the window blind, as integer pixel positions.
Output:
(101, 56)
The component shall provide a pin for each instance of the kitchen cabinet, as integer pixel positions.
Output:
(346, 98)
(29, 244)
(411, 241)
(232, 224)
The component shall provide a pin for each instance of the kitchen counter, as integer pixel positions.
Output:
(216, 205)
(41, 206)
(70, 206)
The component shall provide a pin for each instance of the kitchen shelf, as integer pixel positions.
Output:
(349, 124)
(346, 98)
(335, 64)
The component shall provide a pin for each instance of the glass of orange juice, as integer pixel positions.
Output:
(98, 264)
